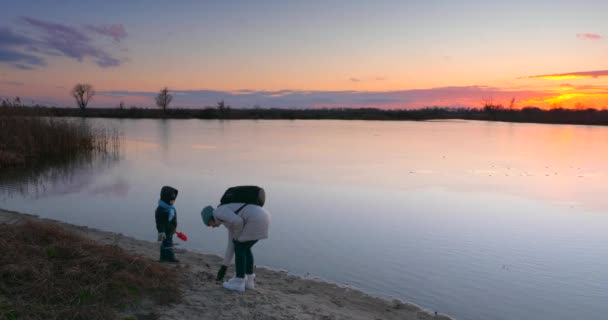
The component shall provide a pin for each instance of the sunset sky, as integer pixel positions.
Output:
(388, 54)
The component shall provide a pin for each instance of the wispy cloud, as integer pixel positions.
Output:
(570, 75)
(355, 79)
(8, 38)
(587, 87)
(114, 31)
(589, 36)
(70, 42)
(30, 50)
(20, 60)
(12, 83)
(10, 44)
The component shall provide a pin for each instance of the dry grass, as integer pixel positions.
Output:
(27, 140)
(47, 272)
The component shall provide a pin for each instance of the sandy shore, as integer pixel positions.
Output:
(277, 296)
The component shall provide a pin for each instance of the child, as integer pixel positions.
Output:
(166, 223)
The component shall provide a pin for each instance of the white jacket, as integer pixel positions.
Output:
(251, 223)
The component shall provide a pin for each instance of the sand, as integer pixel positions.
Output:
(278, 295)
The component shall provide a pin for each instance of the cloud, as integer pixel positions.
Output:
(12, 83)
(569, 86)
(70, 42)
(589, 36)
(21, 66)
(106, 61)
(115, 31)
(30, 51)
(10, 42)
(20, 60)
(571, 75)
(353, 79)
(445, 97)
(10, 39)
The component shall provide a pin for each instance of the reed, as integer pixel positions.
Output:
(26, 140)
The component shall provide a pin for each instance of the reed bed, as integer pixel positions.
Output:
(26, 140)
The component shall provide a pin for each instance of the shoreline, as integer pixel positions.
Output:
(278, 295)
(528, 114)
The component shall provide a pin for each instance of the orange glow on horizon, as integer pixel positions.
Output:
(574, 100)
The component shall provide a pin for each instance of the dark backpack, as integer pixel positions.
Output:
(244, 194)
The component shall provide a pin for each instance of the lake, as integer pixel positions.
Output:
(478, 220)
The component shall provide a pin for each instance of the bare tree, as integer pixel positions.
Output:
(487, 101)
(490, 106)
(221, 105)
(223, 109)
(164, 98)
(512, 104)
(83, 93)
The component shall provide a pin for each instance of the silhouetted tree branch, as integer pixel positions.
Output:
(163, 99)
(83, 93)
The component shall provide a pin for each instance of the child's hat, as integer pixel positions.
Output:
(168, 193)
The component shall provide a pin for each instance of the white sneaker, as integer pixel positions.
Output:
(235, 284)
(249, 283)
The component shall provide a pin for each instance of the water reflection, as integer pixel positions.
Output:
(59, 177)
(164, 137)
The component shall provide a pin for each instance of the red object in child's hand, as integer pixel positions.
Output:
(182, 236)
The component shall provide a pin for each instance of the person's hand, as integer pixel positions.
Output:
(161, 236)
(221, 273)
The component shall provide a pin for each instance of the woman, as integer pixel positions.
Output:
(246, 224)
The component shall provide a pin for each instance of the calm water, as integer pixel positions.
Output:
(474, 219)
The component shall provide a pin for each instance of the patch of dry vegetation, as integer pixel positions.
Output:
(26, 140)
(47, 272)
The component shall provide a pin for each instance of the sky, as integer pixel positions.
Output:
(302, 54)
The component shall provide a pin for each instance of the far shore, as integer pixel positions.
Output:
(278, 295)
(588, 116)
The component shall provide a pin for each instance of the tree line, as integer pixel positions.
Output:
(84, 93)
